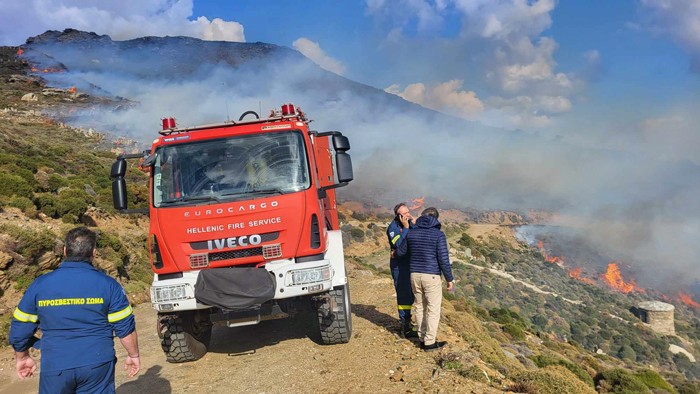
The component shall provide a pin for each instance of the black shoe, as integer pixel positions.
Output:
(422, 345)
(434, 346)
(410, 334)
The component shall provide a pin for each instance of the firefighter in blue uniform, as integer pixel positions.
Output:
(78, 310)
(396, 232)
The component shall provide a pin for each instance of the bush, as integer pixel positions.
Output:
(653, 380)
(357, 234)
(514, 331)
(56, 182)
(542, 360)
(23, 203)
(14, 185)
(30, 243)
(620, 381)
(553, 379)
(359, 216)
(46, 202)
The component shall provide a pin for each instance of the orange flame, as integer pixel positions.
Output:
(417, 203)
(550, 259)
(72, 89)
(688, 300)
(20, 51)
(614, 279)
(576, 274)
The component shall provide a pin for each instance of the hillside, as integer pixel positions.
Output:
(505, 335)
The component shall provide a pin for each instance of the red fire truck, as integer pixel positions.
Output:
(243, 226)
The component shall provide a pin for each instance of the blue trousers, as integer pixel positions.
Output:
(404, 294)
(96, 378)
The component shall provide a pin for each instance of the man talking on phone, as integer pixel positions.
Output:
(400, 272)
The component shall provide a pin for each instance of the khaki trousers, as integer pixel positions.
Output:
(427, 289)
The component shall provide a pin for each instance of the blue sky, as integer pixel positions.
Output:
(621, 74)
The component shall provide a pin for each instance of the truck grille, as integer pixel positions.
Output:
(235, 254)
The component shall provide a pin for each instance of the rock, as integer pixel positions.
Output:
(675, 349)
(509, 354)
(89, 190)
(49, 261)
(30, 97)
(42, 177)
(5, 260)
(526, 362)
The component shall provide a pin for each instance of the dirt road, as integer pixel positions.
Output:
(284, 356)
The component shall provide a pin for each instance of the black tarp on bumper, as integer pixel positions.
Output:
(234, 288)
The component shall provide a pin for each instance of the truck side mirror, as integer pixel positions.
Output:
(118, 168)
(344, 167)
(332, 160)
(119, 198)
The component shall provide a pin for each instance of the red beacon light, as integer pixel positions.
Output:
(168, 123)
(288, 109)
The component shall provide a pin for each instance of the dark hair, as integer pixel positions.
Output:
(398, 206)
(431, 211)
(80, 242)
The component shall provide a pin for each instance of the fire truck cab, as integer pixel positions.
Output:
(243, 226)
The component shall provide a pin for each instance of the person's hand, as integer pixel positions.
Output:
(132, 364)
(450, 286)
(404, 219)
(25, 367)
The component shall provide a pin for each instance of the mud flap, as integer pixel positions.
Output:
(234, 288)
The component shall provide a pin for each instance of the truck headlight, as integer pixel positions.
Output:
(168, 293)
(311, 275)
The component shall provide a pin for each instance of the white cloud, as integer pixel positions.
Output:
(529, 66)
(504, 19)
(314, 52)
(121, 20)
(428, 14)
(680, 19)
(447, 97)
(502, 43)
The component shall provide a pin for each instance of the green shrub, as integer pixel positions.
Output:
(23, 282)
(56, 182)
(30, 243)
(46, 202)
(553, 379)
(23, 203)
(357, 234)
(620, 381)
(14, 185)
(514, 331)
(543, 360)
(359, 216)
(653, 380)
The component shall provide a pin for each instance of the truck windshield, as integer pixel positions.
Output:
(230, 169)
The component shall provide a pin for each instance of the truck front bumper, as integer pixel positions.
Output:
(292, 280)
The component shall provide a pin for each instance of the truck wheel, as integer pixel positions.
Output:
(184, 336)
(334, 320)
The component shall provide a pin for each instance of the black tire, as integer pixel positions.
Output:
(335, 324)
(184, 336)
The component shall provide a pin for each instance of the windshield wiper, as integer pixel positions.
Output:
(193, 198)
(266, 191)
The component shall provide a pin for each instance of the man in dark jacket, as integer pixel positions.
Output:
(426, 247)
